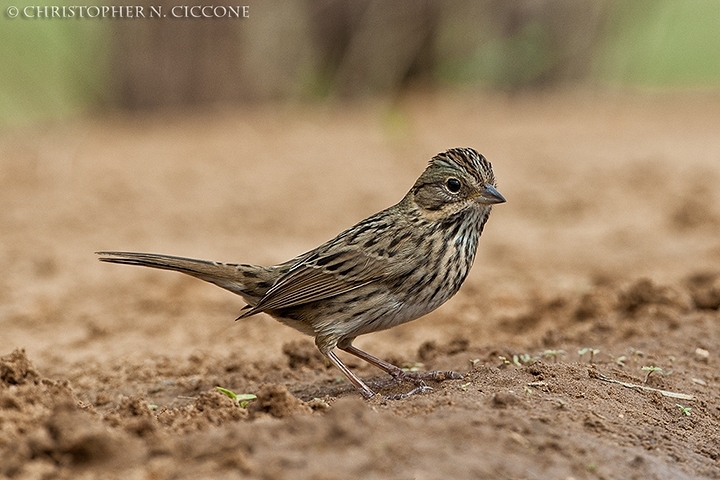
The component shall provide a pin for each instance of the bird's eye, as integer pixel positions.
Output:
(453, 185)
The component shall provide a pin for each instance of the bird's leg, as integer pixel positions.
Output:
(359, 384)
(364, 389)
(398, 373)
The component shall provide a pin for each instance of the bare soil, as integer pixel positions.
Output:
(609, 242)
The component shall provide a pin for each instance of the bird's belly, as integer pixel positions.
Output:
(393, 313)
(391, 301)
(403, 314)
(345, 316)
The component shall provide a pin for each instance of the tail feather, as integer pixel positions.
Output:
(249, 281)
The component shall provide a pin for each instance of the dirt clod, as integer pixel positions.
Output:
(505, 399)
(16, 369)
(705, 290)
(303, 353)
(278, 402)
(646, 296)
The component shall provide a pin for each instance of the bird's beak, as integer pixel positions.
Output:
(489, 195)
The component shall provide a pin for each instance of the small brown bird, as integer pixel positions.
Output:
(390, 268)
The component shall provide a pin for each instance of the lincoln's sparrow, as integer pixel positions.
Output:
(390, 268)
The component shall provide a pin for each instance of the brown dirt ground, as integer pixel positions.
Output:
(609, 240)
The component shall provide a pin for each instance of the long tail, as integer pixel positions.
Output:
(249, 281)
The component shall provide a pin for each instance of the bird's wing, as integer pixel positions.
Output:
(320, 276)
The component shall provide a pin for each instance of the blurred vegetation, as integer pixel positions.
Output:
(661, 43)
(302, 49)
(50, 67)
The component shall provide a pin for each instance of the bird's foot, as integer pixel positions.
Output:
(434, 376)
(416, 378)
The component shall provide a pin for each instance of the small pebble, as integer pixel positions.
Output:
(702, 355)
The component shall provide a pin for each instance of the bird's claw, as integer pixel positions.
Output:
(435, 376)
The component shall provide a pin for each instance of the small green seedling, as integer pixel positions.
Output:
(524, 359)
(474, 362)
(241, 399)
(685, 410)
(413, 367)
(518, 360)
(621, 360)
(591, 351)
(554, 354)
(152, 406)
(636, 353)
(650, 369)
(318, 403)
(464, 386)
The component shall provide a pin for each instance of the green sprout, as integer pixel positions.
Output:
(685, 410)
(554, 354)
(650, 369)
(592, 351)
(518, 360)
(464, 386)
(636, 352)
(318, 404)
(523, 359)
(241, 399)
(413, 367)
(621, 360)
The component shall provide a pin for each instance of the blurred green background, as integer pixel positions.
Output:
(301, 50)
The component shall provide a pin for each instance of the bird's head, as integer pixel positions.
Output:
(455, 180)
